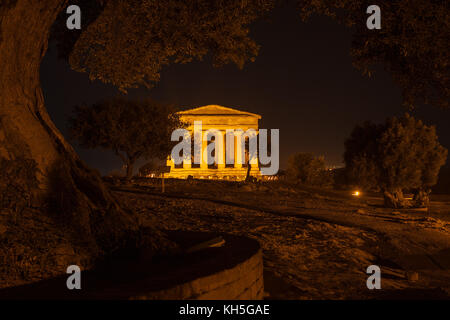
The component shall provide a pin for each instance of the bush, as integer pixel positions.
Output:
(306, 169)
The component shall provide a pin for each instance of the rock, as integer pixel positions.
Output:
(412, 276)
(64, 250)
(248, 187)
(3, 229)
(364, 204)
(64, 255)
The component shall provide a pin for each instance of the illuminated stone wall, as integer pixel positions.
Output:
(218, 118)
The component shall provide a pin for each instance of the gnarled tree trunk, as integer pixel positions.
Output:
(421, 197)
(75, 193)
(394, 199)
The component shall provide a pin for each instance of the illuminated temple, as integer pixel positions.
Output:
(214, 117)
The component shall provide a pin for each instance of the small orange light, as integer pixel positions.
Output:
(356, 193)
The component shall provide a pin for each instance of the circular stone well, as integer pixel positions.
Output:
(233, 271)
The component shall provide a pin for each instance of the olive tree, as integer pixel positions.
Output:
(402, 154)
(132, 129)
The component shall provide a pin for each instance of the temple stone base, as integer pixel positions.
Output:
(222, 174)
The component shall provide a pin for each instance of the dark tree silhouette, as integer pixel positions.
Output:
(402, 154)
(307, 169)
(132, 129)
(411, 44)
(148, 168)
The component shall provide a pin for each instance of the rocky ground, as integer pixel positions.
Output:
(317, 243)
(33, 247)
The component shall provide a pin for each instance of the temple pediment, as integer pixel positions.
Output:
(216, 110)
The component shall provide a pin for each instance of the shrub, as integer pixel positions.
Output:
(307, 169)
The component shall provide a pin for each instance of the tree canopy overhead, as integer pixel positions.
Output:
(412, 43)
(127, 43)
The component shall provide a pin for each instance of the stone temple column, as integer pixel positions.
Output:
(255, 164)
(224, 143)
(204, 164)
(238, 153)
(229, 148)
(187, 163)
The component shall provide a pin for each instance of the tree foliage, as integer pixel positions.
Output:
(128, 42)
(402, 154)
(307, 169)
(132, 129)
(412, 43)
(147, 169)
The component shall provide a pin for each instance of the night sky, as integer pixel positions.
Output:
(302, 83)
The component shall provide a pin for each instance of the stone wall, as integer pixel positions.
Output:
(233, 271)
(242, 282)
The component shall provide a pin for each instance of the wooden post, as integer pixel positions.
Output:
(162, 170)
